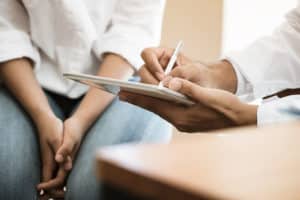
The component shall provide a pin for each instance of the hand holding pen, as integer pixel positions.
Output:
(157, 61)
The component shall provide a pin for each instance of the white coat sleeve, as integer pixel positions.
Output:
(272, 63)
(279, 110)
(135, 25)
(14, 33)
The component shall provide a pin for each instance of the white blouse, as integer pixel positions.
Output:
(72, 35)
(269, 65)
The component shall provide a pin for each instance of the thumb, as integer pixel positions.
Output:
(189, 89)
(64, 151)
(207, 96)
(220, 100)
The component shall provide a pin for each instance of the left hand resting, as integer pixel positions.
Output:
(65, 156)
(214, 108)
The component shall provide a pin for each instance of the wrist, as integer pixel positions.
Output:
(81, 124)
(46, 122)
(224, 76)
(77, 126)
(249, 115)
(43, 116)
(91, 107)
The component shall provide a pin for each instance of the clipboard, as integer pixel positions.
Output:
(114, 86)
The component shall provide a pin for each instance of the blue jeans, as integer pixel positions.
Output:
(20, 164)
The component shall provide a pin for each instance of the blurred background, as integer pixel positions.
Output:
(211, 27)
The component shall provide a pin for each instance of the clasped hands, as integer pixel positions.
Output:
(59, 143)
(211, 86)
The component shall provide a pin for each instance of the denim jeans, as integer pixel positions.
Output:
(20, 164)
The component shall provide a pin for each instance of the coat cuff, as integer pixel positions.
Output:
(244, 88)
(276, 111)
(16, 45)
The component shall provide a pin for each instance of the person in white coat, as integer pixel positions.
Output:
(268, 67)
(50, 127)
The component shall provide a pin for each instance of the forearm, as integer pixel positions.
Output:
(19, 78)
(96, 101)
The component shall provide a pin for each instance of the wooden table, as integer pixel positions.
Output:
(235, 164)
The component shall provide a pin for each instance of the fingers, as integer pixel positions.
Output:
(47, 171)
(147, 77)
(165, 109)
(56, 194)
(193, 72)
(67, 152)
(68, 164)
(222, 101)
(180, 72)
(164, 60)
(167, 80)
(151, 57)
(57, 182)
(49, 165)
(64, 152)
(200, 94)
(48, 168)
(156, 60)
(219, 100)
(209, 97)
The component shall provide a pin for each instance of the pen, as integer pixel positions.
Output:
(172, 61)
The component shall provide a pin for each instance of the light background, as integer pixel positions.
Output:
(198, 23)
(211, 27)
(246, 20)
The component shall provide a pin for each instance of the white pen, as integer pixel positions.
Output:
(172, 61)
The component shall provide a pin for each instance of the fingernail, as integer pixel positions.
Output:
(42, 192)
(50, 199)
(65, 189)
(175, 84)
(160, 76)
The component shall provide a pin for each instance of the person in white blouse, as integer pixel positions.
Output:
(271, 65)
(50, 127)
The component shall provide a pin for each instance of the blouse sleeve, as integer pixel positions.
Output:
(135, 25)
(14, 33)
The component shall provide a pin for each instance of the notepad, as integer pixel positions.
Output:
(114, 86)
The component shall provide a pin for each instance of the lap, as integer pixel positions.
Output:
(121, 123)
(19, 150)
